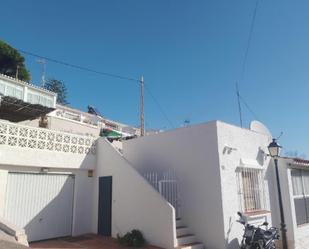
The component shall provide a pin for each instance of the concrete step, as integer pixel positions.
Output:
(195, 245)
(182, 230)
(179, 222)
(185, 239)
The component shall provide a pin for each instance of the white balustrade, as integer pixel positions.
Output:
(21, 136)
(166, 183)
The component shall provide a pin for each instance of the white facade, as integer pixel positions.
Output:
(27, 92)
(135, 204)
(70, 120)
(206, 158)
(44, 153)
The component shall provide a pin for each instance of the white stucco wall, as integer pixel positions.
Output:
(248, 149)
(135, 204)
(15, 156)
(193, 153)
(297, 235)
(83, 203)
(71, 126)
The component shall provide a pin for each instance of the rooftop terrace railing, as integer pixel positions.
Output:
(16, 135)
(27, 92)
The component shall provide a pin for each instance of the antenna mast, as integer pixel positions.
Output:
(142, 107)
(239, 106)
(43, 63)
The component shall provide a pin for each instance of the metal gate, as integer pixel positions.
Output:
(166, 183)
(42, 204)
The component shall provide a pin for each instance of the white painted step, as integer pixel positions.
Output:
(192, 246)
(182, 230)
(179, 223)
(185, 239)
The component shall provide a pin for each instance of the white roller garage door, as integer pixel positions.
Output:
(42, 204)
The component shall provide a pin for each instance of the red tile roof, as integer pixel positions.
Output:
(301, 161)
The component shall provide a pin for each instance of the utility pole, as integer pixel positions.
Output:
(16, 75)
(142, 108)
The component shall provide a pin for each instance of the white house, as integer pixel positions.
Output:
(220, 169)
(180, 188)
(55, 183)
(294, 177)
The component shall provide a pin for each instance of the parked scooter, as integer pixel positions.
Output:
(256, 237)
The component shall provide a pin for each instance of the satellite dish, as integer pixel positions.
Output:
(259, 127)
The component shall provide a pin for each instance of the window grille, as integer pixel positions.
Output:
(251, 189)
(300, 184)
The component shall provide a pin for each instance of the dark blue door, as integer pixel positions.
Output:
(105, 205)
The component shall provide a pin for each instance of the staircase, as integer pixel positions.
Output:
(185, 239)
(166, 183)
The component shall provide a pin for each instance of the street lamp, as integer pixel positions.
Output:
(274, 151)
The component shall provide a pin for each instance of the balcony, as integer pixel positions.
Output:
(20, 100)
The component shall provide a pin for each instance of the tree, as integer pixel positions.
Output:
(58, 87)
(11, 61)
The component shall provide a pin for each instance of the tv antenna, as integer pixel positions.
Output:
(142, 117)
(43, 63)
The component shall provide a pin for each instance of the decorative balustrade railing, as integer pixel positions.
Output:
(166, 183)
(21, 136)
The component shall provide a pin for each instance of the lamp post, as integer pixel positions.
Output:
(274, 151)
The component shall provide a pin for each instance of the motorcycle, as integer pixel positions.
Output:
(256, 237)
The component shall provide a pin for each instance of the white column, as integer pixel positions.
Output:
(3, 183)
(55, 101)
(25, 98)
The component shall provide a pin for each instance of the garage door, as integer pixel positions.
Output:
(42, 204)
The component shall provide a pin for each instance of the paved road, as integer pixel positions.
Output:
(89, 241)
(8, 242)
(4, 244)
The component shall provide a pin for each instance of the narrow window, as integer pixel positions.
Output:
(251, 189)
(300, 184)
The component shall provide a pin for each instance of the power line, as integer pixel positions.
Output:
(79, 67)
(249, 40)
(248, 107)
(138, 81)
(159, 107)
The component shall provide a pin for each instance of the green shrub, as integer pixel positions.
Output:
(133, 239)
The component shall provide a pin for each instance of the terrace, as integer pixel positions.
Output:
(20, 100)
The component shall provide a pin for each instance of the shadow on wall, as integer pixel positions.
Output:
(233, 244)
(273, 200)
(261, 157)
(88, 160)
(55, 219)
(44, 212)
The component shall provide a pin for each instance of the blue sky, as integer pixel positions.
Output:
(190, 53)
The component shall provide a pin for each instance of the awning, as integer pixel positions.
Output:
(246, 162)
(109, 133)
(16, 110)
